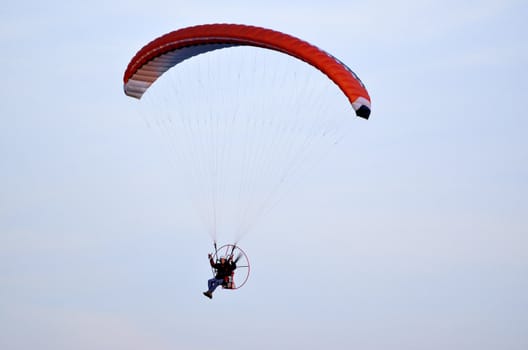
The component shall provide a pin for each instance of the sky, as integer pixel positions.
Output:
(411, 234)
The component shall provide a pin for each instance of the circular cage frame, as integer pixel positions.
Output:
(243, 269)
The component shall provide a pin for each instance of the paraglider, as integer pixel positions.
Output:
(225, 269)
(265, 152)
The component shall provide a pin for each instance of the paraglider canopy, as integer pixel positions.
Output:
(162, 53)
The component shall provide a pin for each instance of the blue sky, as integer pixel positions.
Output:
(411, 234)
